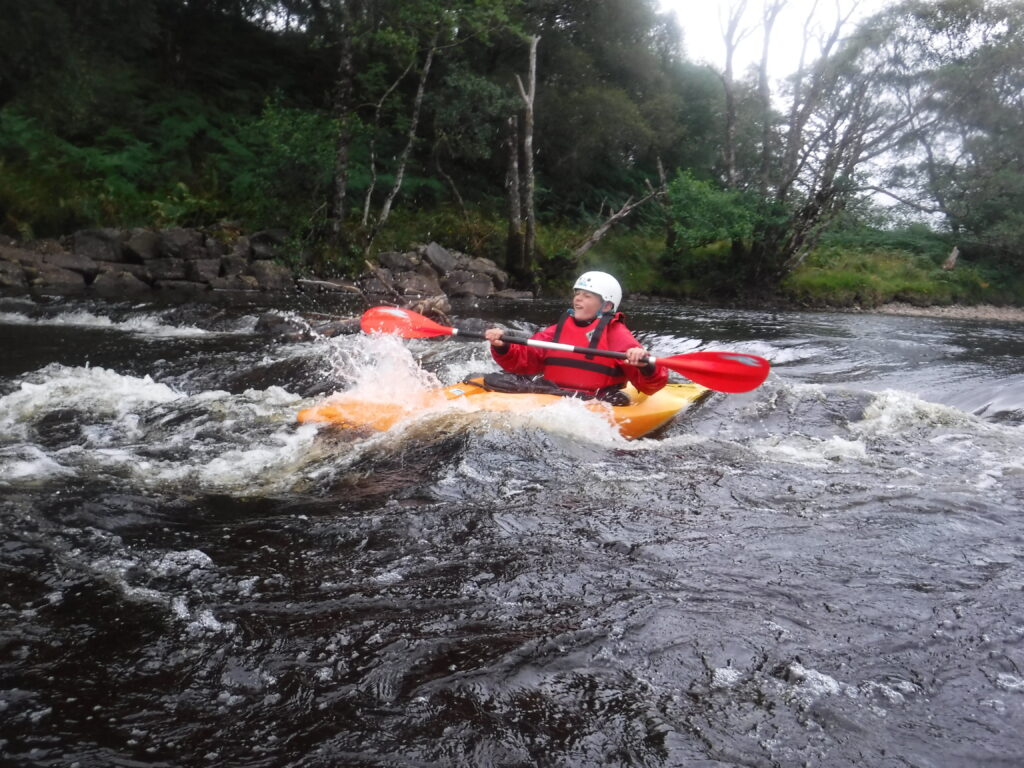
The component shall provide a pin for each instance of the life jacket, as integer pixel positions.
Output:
(573, 370)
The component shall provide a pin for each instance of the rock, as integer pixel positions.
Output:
(285, 328)
(12, 278)
(202, 270)
(272, 276)
(439, 257)
(268, 244)
(334, 328)
(415, 284)
(215, 248)
(235, 283)
(75, 262)
(398, 262)
(183, 289)
(166, 269)
(511, 293)
(142, 245)
(181, 243)
(242, 249)
(117, 284)
(15, 255)
(462, 283)
(489, 268)
(233, 265)
(328, 286)
(49, 280)
(140, 271)
(99, 244)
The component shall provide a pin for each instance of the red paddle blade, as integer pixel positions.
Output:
(408, 325)
(722, 371)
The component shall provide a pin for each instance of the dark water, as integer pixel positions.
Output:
(825, 572)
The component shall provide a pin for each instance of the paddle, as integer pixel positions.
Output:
(722, 371)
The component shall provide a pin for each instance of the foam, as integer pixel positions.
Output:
(144, 324)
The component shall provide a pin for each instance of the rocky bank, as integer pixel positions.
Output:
(206, 264)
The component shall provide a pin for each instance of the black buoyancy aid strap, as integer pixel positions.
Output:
(595, 336)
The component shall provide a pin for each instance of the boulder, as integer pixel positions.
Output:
(232, 265)
(12, 278)
(48, 280)
(202, 270)
(462, 283)
(398, 262)
(235, 283)
(142, 245)
(76, 262)
(182, 289)
(215, 248)
(416, 284)
(99, 244)
(117, 284)
(139, 271)
(272, 276)
(489, 268)
(241, 248)
(440, 258)
(330, 285)
(283, 328)
(167, 269)
(511, 293)
(268, 243)
(179, 243)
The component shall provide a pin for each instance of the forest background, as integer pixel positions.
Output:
(547, 135)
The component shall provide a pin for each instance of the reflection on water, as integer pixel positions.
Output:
(815, 573)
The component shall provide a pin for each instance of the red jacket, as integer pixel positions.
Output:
(572, 370)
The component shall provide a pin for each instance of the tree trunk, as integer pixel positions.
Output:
(342, 112)
(515, 255)
(403, 160)
(530, 244)
(619, 215)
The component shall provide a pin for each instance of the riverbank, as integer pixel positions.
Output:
(981, 312)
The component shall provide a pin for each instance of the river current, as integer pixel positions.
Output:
(827, 571)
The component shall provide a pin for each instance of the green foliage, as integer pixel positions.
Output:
(834, 276)
(701, 214)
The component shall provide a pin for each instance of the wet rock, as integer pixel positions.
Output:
(232, 265)
(462, 283)
(117, 284)
(75, 262)
(181, 243)
(272, 276)
(12, 278)
(183, 289)
(142, 245)
(489, 268)
(98, 244)
(511, 293)
(140, 271)
(439, 258)
(398, 262)
(279, 327)
(416, 284)
(268, 244)
(346, 327)
(48, 280)
(202, 270)
(329, 285)
(167, 269)
(235, 283)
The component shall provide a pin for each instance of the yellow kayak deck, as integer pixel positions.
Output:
(644, 415)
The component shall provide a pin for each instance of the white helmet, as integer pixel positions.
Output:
(603, 284)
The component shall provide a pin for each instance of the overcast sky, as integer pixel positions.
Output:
(702, 35)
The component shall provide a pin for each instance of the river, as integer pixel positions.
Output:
(826, 571)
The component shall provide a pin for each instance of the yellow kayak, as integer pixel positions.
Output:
(643, 415)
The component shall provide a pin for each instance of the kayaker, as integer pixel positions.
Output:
(593, 320)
